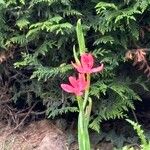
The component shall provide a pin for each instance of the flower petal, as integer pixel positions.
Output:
(73, 81)
(75, 65)
(98, 69)
(78, 67)
(87, 61)
(79, 93)
(82, 82)
(68, 88)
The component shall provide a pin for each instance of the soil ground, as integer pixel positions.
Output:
(40, 135)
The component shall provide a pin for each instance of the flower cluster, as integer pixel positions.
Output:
(76, 86)
(85, 66)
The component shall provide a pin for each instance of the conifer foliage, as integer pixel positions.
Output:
(37, 39)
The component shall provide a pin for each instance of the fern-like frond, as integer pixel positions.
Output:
(119, 98)
(64, 110)
(22, 22)
(19, 39)
(45, 73)
(51, 25)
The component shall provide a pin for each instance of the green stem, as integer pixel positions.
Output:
(86, 123)
(80, 102)
(83, 119)
(86, 92)
(87, 141)
(87, 111)
(81, 132)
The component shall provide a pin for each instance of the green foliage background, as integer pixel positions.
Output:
(41, 35)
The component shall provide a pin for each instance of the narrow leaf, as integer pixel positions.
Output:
(80, 37)
(75, 55)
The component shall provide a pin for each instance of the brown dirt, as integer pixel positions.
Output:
(41, 135)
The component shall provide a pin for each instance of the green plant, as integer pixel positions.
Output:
(41, 43)
(81, 88)
(145, 144)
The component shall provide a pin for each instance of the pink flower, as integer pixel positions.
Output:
(86, 66)
(76, 86)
